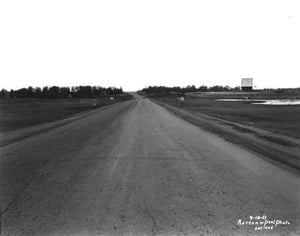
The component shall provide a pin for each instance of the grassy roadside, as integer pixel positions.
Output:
(24, 112)
(276, 150)
(278, 119)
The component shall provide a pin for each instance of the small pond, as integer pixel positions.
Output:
(280, 102)
(264, 101)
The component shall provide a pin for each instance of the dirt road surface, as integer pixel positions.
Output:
(136, 169)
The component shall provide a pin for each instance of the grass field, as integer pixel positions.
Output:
(18, 113)
(279, 119)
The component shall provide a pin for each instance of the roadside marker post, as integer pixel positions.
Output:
(181, 100)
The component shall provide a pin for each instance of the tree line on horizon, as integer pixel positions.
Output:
(216, 88)
(61, 92)
(188, 89)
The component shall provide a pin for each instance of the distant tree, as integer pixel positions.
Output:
(85, 92)
(237, 89)
(30, 92)
(22, 93)
(4, 93)
(64, 92)
(190, 89)
(53, 92)
(38, 92)
(202, 88)
(45, 92)
(12, 93)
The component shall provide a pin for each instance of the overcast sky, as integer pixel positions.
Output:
(139, 43)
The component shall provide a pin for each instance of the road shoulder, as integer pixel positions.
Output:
(272, 147)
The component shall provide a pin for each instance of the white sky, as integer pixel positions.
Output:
(134, 44)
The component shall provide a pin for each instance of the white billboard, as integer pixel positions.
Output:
(247, 82)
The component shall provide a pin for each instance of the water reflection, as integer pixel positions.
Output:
(280, 102)
(265, 102)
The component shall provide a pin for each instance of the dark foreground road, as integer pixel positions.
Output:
(136, 169)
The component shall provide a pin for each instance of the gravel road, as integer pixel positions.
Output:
(134, 168)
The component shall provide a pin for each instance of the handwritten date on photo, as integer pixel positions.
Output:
(262, 222)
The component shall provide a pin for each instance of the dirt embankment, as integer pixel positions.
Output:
(270, 146)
